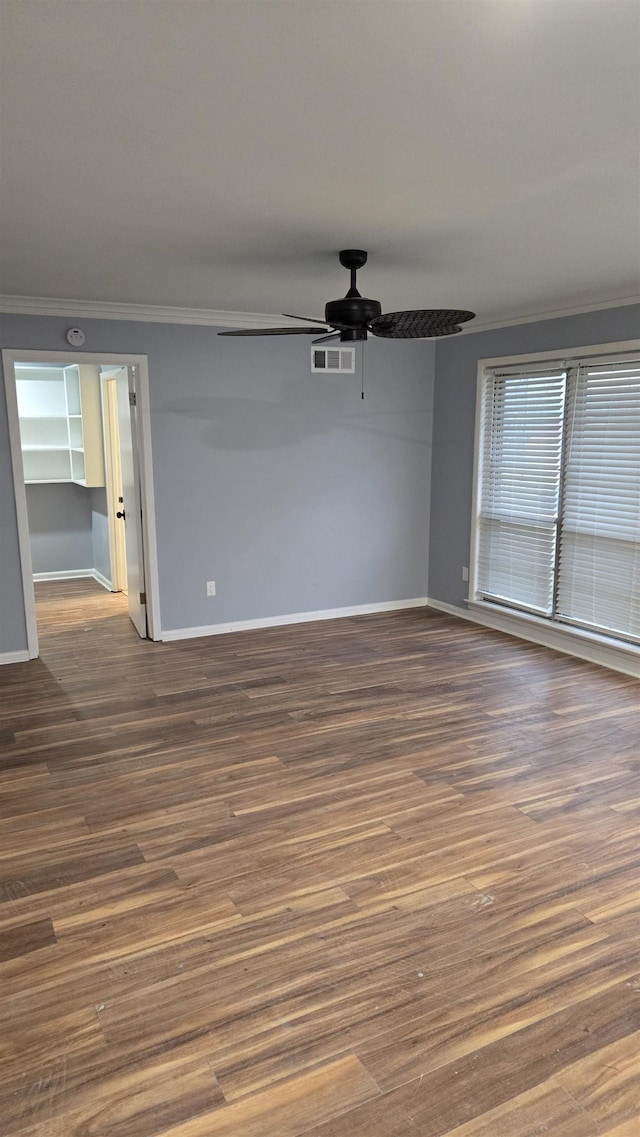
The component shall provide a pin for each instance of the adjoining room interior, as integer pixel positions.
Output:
(320, 722)
(62, 445)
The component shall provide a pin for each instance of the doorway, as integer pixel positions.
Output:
(82, 420)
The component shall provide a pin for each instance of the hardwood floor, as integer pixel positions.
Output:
(364, 878)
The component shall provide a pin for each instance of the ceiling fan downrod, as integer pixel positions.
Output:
(353, 259)
(353, 313)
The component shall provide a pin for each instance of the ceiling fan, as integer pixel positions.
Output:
(353, 317)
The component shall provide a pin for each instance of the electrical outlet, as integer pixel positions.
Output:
(465, 573)
(211, 588)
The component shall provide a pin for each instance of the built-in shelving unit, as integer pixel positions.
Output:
(60, 423)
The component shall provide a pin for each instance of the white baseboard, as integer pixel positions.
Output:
(13, 657)
(293, 618)
(63, 574)
(580, 644)
(74, 574)
(102, 580)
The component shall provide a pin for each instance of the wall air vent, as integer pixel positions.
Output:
(335, 360)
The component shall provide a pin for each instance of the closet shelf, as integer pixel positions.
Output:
(39, 448)
(44, 418)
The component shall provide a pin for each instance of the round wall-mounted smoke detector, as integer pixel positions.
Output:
(76, 337)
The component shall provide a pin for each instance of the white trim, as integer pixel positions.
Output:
(147, 313)
(74, 574)
(14, 657)
(9, 359)
(149, 536)
(206, 317)
(292, 618)
(581, 644)
(22, 517)
(70, 357)
(571, 354)
(97, 576)
(477, 476)
(64, 574)
(556, 314)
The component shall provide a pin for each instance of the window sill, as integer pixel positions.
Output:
(585, 645)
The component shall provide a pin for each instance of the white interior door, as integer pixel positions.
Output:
(131, 506)
(113, 477)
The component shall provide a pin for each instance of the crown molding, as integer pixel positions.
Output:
(154, 314)
(146, 313)
(556, 314)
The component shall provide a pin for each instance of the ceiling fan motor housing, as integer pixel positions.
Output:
(352, 315)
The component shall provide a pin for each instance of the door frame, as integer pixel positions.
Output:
(142, 442)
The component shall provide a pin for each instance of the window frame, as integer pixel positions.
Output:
(562, 631)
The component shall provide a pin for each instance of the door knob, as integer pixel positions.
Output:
(120, 513)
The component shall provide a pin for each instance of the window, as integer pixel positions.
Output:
(558, 491)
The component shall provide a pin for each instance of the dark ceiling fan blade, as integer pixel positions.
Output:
(309, 319)
(324, 339)
(431, 333)
(422, 323)
(271, 332)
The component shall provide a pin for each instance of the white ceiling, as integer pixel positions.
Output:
(217, 153)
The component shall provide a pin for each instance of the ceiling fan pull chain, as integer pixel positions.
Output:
(362, 371)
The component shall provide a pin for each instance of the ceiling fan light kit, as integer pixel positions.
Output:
(354, 316)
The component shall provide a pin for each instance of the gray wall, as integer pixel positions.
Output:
(59, 527)
(101, 559)
(454, 424)
(284, 487)
(13, 631)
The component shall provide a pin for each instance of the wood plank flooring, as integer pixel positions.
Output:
(364, 878)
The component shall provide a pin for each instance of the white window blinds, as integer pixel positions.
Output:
(522, 417)
(599, 570)
(558, 522)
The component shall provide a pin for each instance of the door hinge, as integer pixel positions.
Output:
(132, 399)
(143, 598)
